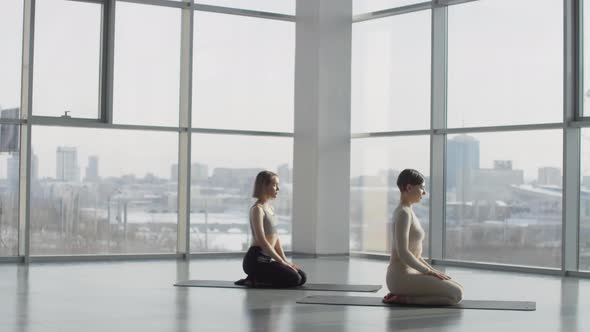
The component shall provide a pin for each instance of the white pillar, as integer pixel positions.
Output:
(321, 171)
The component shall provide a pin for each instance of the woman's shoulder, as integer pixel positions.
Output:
(402, 209)
(402, 212)
(257, 209)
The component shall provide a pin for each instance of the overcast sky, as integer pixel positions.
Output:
(501, 71)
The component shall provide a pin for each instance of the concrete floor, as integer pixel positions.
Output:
(139, 296)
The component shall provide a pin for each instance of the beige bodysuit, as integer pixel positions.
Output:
(406, 274)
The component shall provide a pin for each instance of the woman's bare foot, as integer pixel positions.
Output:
(393, 298)
(248, 282)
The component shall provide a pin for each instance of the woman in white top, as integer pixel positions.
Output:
(410, 278)
(265, 262)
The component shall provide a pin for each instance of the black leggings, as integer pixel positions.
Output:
(262, 269)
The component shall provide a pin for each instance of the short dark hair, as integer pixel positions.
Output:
(263, 179)
(409, 176)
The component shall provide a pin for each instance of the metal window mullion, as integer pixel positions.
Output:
(571, 137)
(452, 2)
(24, 217)
(185, 122)
(243, 12)
(393, 133)
(89, 1)
(496, 129)
(582, 123)
(240, 132)
(437, 139)
(13, 121)
(161, 3)
(392, 12)
(93, 123)
(107, 57)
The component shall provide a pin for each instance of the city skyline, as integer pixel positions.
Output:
(45, 171)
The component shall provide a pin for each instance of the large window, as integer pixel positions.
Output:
(504, 198)
(147, 65)
(282, 6)
(375, 165)
(391, 73)
(585, 203)
(110, 195)
(67, 58)
(9, 189)
(243, 75)
(586, 41)
(11, 27)
(505, 63)
(366, 6)
(223, 171)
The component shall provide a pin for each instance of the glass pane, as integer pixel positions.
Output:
(223, 173)
(391, 73)
(585, 202)
(508, 73)
(147, 65)
(11, 39)
(504, 198)
(243, 74)
(67, 58)
(281, 6)
(92, 198)
(9, 189)
(586, 51)
(367, 6)
(375, 165)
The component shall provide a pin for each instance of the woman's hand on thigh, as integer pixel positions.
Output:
(438, 274)
(291, 266)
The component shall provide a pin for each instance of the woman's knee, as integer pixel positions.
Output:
(293, 279)
(285, 277)
(303, 277)
(455, 294)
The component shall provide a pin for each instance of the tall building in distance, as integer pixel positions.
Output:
(199, 173)
(503, 165)
(174, 172)
(34, 167)
(92, 169)
(549, 176)
(462, 159)
(285, 173)
(67, 168)
(13, 168)
(9, 137)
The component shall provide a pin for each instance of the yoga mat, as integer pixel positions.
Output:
(307, 286)
(376, 302)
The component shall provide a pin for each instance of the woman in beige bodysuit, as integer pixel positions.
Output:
(410, 278)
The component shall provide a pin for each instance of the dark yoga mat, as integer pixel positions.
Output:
(309, 286)
(376, 302)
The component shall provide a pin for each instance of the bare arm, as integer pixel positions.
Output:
(425, 263)
(257, 226)
(402, 232)
(279, 250)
